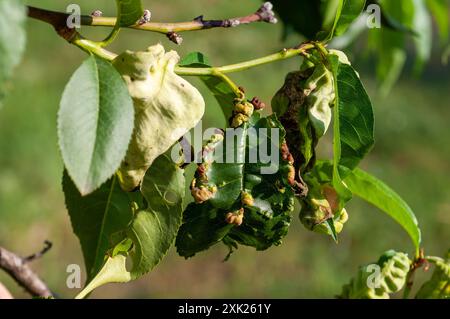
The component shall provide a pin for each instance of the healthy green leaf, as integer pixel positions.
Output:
(95, 124)
(382, 196)
(439, 9)
(96, 218)
(218, 87)
(114, 270)
(303, 16)
(348, 11)
(353, 117)
(388, 42)
(424, 33)
(155, 227)
(12, 39)
(129, 12)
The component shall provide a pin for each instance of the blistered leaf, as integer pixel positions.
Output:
(166, 107)
(237, 202)
(438, 287)
(289, 103)
(95, 124)
(378, 281)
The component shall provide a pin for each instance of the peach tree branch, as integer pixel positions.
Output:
(18, 268)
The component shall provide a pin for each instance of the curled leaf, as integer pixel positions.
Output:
(166, 107)
(377, 281)
(438, 287)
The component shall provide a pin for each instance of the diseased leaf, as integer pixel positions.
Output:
(129, 12)
(12, 39)
(438, 287)
(382, 196)
(374, 191)
(203, 226)
(155, 227)
(166, 108)
(95, 123)
(245, 201)
(369, 283)
(96, 218)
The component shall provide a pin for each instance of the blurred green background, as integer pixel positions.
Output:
(412, 154)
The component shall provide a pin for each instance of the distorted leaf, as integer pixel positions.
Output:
(166, 107)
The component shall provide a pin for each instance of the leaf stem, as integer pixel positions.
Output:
(93, 47)
(282, 55)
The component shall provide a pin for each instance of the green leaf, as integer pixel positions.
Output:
(348, 11)
(388, 42)
(129, 12)
(438, 287)
(378, 281)
(96, 218)
(12, 39)
(303, 16)
(439, 9)
(95, 124)
(354, 136)
(330, 225)
(203, 226)
(113, 270)
(346, 138)
(107, 218)
(218, 87)
(195, 59)
(382, 196)
(424, 33)
(155, 227)
(262, 200)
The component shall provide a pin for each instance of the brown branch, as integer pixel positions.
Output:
(19, 270)
(58, 20)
